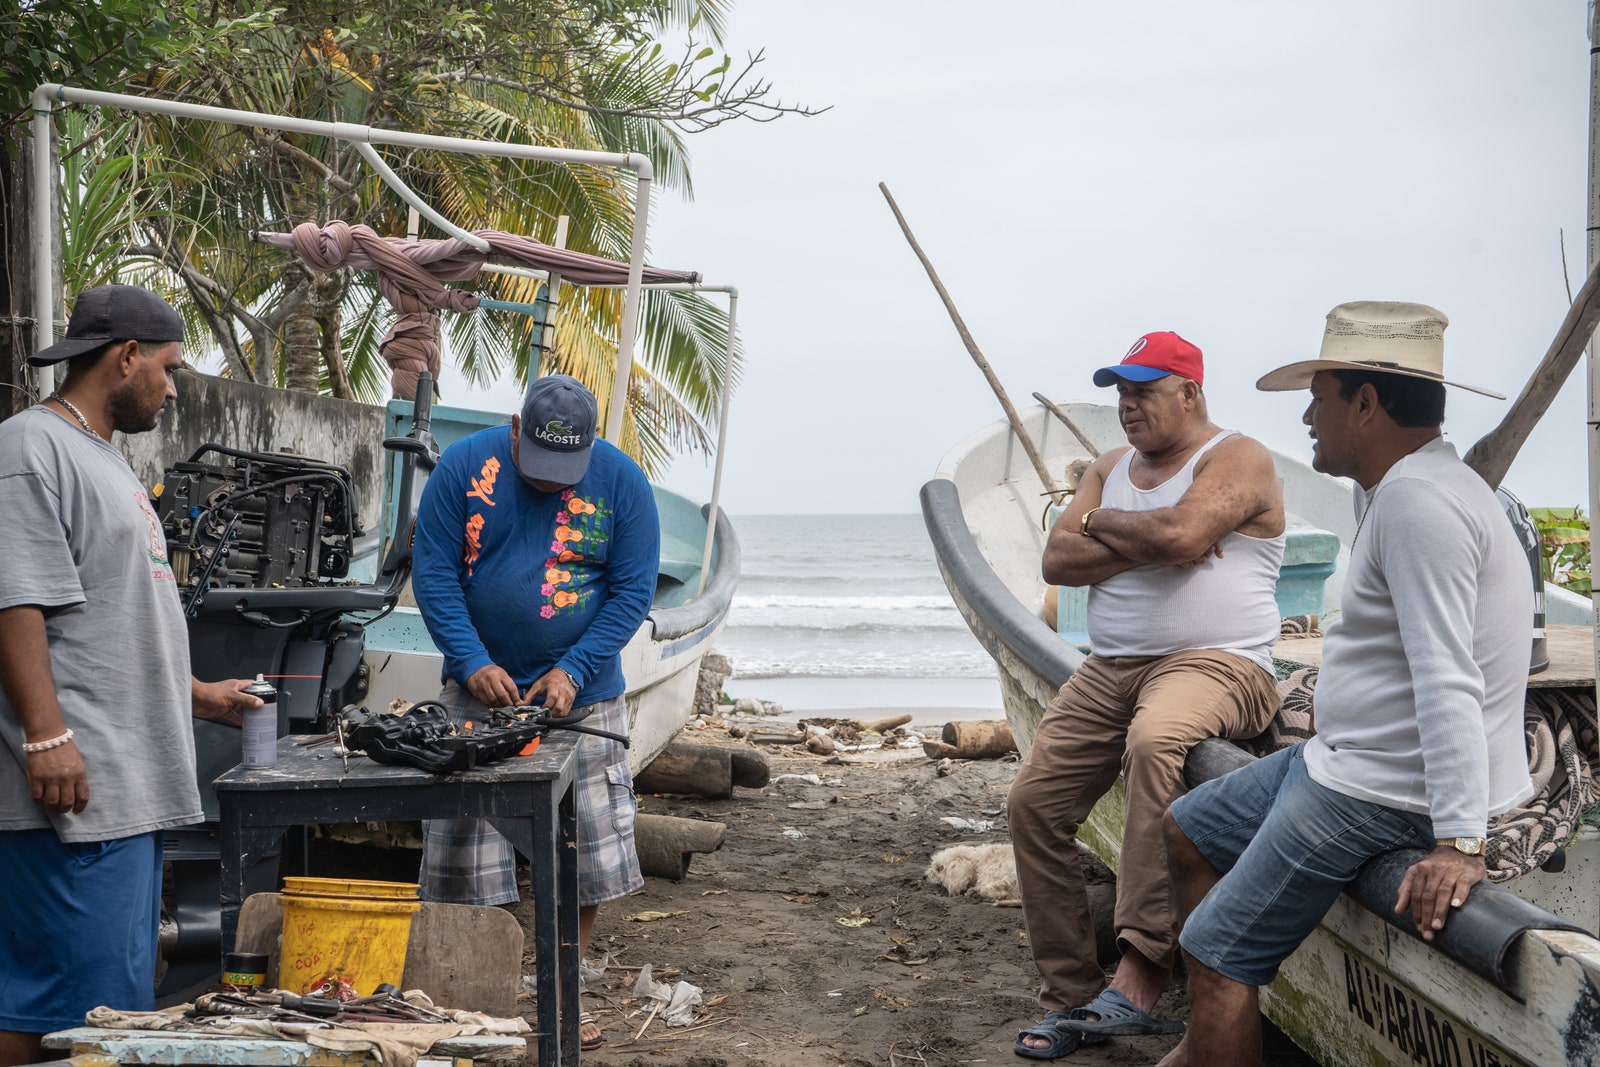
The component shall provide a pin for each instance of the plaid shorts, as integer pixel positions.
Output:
(466, 861)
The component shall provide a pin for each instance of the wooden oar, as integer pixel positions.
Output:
(1491, 457)
(977, 355)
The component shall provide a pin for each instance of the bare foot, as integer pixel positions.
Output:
(1179, 1056)
(1139, 980)
(1034, 1041)
(589, 1033)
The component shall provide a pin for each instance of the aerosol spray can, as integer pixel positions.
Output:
(261, 726)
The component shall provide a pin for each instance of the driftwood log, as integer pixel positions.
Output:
(666, 844)
(703, 770)
(989, 739)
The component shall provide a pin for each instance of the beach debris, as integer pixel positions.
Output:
(820, 745)
(666, 844)
(759, 737)
(715, 669)
(756, 706)
(809, 779)
(989, 739)
(590, 972)
(987, 872)
(882, 755)
(850, 735)
(675, 1003)
(976, 826)
(789, 831)
(855, 920)
(901, 954)
(945, 768)
(654, 916)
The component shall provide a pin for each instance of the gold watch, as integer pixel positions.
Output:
(1467, 846)
(1083, 524)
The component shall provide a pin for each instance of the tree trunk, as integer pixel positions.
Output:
(20, 336)
(327, 296)
(302, 341)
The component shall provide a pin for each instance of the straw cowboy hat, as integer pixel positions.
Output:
(1376, 335)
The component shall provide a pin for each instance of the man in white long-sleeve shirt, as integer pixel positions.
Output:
(1418, 708)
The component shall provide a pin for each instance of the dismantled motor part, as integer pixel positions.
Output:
(255, 520)
(423, 736)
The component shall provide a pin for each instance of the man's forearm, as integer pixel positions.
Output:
(1070, 558)
(25, 672)
(1144, 536)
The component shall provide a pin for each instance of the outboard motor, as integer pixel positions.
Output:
(261, 545)
(1528, 535)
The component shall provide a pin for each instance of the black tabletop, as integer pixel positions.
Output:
(319, 767)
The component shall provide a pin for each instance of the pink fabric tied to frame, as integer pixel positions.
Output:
(412, 273)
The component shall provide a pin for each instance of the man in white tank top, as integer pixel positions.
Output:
(1179, 537)
(1419, 703)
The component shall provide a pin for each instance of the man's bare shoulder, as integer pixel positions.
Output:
(1238, 453)
(1107, 460)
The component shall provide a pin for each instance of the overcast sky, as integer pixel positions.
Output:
(1082, 173)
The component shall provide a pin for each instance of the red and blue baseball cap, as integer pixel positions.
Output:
(1155, 355)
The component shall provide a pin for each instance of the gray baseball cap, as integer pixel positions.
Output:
(558, 428)
(109, 313)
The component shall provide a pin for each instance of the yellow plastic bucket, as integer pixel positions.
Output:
(344, 930)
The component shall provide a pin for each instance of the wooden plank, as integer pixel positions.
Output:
(173, 1049)
(159, 1047)
(438, 962)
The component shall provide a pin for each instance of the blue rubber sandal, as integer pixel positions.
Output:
(1063, 1042)
(1118, 1017)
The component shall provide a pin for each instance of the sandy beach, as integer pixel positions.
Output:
(816, 938)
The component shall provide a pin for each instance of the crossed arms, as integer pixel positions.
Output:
(1235, 489)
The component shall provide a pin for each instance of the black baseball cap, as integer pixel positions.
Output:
(558, 429)
(109, 313)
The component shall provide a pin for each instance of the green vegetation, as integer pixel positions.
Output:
(171, 203)
(1564, 541)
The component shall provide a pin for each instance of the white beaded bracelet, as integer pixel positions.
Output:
(45, 746)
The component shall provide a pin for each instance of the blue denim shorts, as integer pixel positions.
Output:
(1286, 847)
(78, 926)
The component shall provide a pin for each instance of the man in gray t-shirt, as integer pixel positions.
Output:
(95, 690)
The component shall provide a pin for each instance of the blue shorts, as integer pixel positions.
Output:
(78, 928)
(1286, 847)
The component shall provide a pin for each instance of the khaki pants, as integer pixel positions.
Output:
(1137, 716)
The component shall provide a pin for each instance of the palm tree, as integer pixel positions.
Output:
(546, 73)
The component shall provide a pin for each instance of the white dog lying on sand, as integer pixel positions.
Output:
(988, 872)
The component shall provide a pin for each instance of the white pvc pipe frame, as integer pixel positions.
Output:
(363, 137)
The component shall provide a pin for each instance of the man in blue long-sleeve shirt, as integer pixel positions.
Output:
(535, 562)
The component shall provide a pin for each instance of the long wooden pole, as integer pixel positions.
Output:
(1491, 457)
(977, 354)
(1054, 409)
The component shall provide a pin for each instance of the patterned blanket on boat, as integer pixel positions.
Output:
(1563, 739)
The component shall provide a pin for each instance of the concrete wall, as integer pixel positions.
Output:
(258, 418)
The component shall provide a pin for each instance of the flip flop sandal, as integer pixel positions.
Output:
(1118, 1017)
(594, 1042)
(1062, 1042)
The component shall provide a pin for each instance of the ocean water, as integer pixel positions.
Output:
(849, 611)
